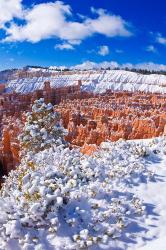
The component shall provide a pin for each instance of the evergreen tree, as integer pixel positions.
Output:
(42, 128)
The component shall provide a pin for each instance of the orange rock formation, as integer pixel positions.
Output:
(90, 119)
(113, 116)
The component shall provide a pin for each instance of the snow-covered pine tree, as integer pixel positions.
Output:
(42, 128)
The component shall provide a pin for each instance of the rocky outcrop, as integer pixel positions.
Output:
(113, 116)
(9, 147)
(2, 88)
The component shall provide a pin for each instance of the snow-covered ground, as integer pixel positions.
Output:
(95, 80)
(61, 199)
(154, 194)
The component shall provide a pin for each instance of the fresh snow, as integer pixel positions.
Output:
(61, 199)
(97, 81)
(154, 194)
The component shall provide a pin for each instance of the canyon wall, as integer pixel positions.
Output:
(96, 81)
(90, 119)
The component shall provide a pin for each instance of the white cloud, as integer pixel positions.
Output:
(93, 65)
(112, 65)
(103, 50)
(150, 66)
(108, 24)
(119, 51)
(55, 19)
(74, 42)
(9, 9)
(160, 39)
(42, 21)
(64, 46)
(151, 48)
(146, 66)
(11, 59)
(85, 65)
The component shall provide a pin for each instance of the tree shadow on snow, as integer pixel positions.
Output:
(134, 229)
(153, 158)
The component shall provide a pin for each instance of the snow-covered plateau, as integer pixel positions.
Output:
(62, 199)
(97, 81)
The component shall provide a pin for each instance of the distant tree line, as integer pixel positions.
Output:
(145, 71)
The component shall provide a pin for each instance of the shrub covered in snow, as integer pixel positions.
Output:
(62, 198)
(42, 128)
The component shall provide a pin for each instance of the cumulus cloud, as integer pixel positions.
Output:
(161, 39)
(103, 50)
(64, 46)
(55, 19)
(151, 48)
(42, 21)
(108, 24)
(87, 65)
(9, 9)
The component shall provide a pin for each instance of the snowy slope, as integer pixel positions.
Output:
(94, 80)
(154, 194)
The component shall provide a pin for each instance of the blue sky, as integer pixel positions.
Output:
(71, 32)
